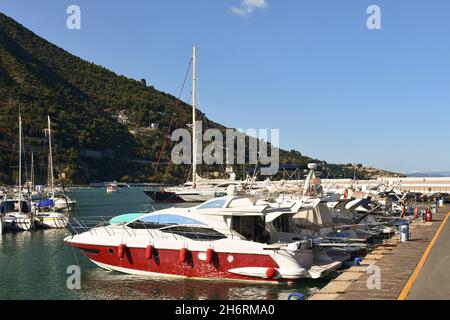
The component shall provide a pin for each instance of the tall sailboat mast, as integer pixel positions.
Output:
(20, 164)
(32, 171)
(50, 159)
(194, 129)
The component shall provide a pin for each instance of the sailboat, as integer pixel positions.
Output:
(199, 189)
(17, 210)
(112, 187)
(48, 215)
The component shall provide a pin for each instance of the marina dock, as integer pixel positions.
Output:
(433, 278)
(416, 269)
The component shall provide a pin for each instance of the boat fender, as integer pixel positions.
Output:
(428, 215)
(357, 261)
(296, 296)
(121, 250)
(209, 255)
(149, 252)
(183, 254)
(271, 272)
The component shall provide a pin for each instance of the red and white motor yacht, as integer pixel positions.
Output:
(223, 238)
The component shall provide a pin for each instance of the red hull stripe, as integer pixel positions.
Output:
(167, 262)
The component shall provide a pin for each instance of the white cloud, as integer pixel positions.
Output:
(248, 6)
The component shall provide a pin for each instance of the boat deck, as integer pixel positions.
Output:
(416, 269)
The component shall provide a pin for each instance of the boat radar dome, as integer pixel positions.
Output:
(231, 190)
(312, 166)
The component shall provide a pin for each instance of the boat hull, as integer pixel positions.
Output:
(52, 221)
(167, 263)
(163, 196)
(195, 197)
(18, 224)
(65, 204)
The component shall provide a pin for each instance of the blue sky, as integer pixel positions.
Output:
(335, 89)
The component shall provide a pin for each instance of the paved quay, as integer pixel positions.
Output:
(417, 269)
(433, 279)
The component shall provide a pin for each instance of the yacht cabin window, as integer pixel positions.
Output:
(251, 227)
(281, 223)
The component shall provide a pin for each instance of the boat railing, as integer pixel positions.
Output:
(147, 208)
(87, 224)
(93, 224)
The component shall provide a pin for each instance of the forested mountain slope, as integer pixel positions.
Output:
(84, 101)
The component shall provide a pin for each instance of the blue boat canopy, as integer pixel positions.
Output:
(124, 218)
(45, 203)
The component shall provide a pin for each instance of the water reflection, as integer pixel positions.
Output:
(111, 285)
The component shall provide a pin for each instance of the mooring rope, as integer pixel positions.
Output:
(171, 120)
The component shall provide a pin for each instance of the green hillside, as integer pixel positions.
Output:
(82, 98)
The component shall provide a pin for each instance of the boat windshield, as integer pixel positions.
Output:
(195, 233)
(213, 204)
(161, 221)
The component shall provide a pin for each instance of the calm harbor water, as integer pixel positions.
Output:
(33, 264)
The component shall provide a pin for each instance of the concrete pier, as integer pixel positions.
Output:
(433, 277)
(417, 269)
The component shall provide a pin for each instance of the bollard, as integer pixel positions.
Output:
(422, 215)
(404, 231)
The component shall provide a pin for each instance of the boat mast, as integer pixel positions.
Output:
(32, 171)
(20, 164)
(194, 139)
(50, 155)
